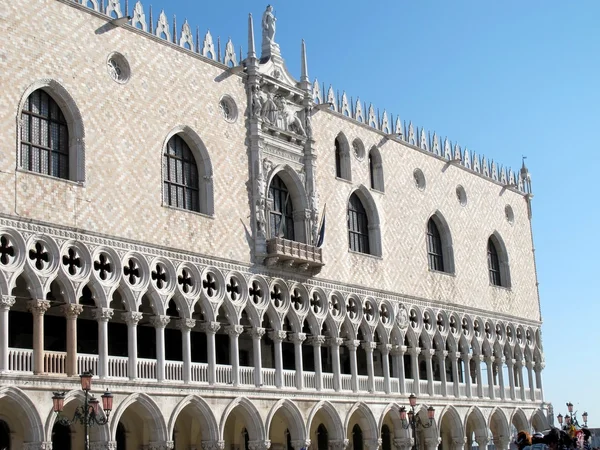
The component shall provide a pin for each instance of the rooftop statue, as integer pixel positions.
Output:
(268, 26)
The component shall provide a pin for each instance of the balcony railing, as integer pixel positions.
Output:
(21, 361)
(294, 254)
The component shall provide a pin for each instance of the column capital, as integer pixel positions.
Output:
(403, 443)
(164, 445)
(259, 445)
(490, 359)
(335, 341)
(385, 348)
(186, 324)
(352, 344)
(432, 442)
(482, 441)
(37, 446)
(103, 314)
(210, 327)
(369, 345)
(459, 441)
(110, 445)
(317, 341)
(132, 318)
(234, 330)
(258, 332)
(160, 321)
(529, 364)
(398, 350)
(298, 444)
(428, 353)
(415, 351)
(298, 338)
(72, 310)
(38, 307)
(340, 444)
(466, 356)
(278, 335)
(7, 301)
(372, 444)
(213, 445)
(510, 362)
(539, 366)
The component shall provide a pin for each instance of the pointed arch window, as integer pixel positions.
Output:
(44, 136)
(434, 247)
(358, 226)
(493, 264)
(376, 170)
(338, 158)
(180, 176)
(281, 215)
(342, 158)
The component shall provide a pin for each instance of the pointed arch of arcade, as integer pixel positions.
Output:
(475, 421)
(519, 420)
(293, 416)
(255, 427)
(394, 409)
(366, 420)
(208, 422)
(538, 420)
(159, 427)
(498, 424)
(334, 426)
(100, 433)
(20, 402)
(449, 413)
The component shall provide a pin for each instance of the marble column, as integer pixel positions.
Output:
(539, 366)
(298, 339)
(102, 316)
(352, 345)
(159, 323)
(385, 356)
(234, 332)
(511, 377)
(500, 365)
(414, 362)
(278, 336)
(466, 358)
(6, 302)
(428, 354)
(454, 360)
(529, 366)
(482, 442)
(72, 311)
(211, 328)
(441, 354)
(37, 445)
(131, 319)
(38, 308)
(257, 334)
(519, 365)
(335, 362)
(478, 361)
(401, 369)
(317, 342)
(489, 361)
(369, 347)
(185, 326)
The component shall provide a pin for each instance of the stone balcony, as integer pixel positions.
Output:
(292, 254)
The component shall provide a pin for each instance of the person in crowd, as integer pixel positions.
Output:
(523, 440)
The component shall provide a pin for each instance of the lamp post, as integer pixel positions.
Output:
(412, 420)
(86, 415)
(571, 418)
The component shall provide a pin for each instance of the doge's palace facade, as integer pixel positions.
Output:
(245, 260)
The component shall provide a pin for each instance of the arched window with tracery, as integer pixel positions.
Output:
(44, 136)
(434, 247)
(493, 264)
(358, 226)
(281, 213)
(180, 176)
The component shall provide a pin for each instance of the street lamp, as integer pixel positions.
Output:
(412, 420)
(88, 414)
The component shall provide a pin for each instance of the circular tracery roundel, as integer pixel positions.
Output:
(212, 284)
(453, 324)
(386, 314)
(488, 330)
(465, 326)
(256, 293)
(135, 271)
(118, 68)
(317, 303)
(370, 311)
(427, 321)
(42, 255)
(107, 267)
(75, 260)
(299, 300)
(441, 323)
(11, 249)
(187, 280)
(235, 287)
(336, 306)
(413, 318)
(499, 332)
(163, 275)
(353, 309)
(278, 296)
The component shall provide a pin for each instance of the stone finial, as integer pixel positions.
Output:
(304, 81)
(457, 155)
(230, 58)
(113, 7)
(399, 128)
(208, 46)
(186, 36)
(139, 17)
(423, 140)
(317, 96)
(251, 46)
(162, 26)
(435, 144)
(411, 134)
(447, 150)
(331, 98)
(475, 159)
(372, 120)
(358, 112)
(345, 106)
(385, 125)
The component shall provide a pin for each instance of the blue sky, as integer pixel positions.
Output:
(505, 79)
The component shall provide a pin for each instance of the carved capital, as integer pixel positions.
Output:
(165, 445)
(403, 443)
(257, 332)
(259, 445)
(7, 301)
(110, 445)
(186, 324)
(482, 441)
(160, 321)
(369, 346)
(352, 344)
(132, 318)
(299, 444)
(72, 310)
(103, 314)
(384, 348)
(466, 357)
(235, 330)
(213, 445)
(335, 342)
(338, 444)
(372, 444)
(210, 327)
(298, 338)
(490, 359)
(414, 351)
(318, 341)
(37, 446)
(278, 335)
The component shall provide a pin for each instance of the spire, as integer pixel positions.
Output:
(251, 48)
(304, 73)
